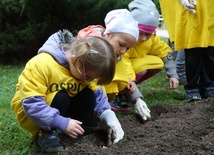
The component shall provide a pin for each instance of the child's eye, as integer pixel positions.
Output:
(121, 45)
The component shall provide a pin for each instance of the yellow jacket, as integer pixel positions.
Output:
(147, 55)
(186, 29)
(168, 14)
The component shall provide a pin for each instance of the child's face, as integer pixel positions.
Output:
(80, 72)
(143, 36)
(121, 43)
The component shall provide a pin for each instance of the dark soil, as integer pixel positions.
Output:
(185, 129)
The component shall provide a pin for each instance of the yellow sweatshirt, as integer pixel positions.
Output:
(186, 29)
(146, 55)
(43, 77)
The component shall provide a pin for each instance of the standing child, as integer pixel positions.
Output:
(168, 14)
(57, 90)
(192, 29)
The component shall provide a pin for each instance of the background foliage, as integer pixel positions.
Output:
(26, 24)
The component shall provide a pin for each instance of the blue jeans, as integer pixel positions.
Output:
(180, 65)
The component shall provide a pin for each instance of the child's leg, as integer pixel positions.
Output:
(79, 107)
(146, 67)
(180, 66)
(146, 74)
(206, 82)
(61, 102)
(82, 107)
(193, 60)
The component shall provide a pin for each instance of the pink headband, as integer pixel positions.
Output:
(146, 28)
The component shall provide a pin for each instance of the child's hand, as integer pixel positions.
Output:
(173, 83)
(109, 123)
(131, 86)
(142, 110)
(74, 128)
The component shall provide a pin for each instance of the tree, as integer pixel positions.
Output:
(157, 5)
(26, 24)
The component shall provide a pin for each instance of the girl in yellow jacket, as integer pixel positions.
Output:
(149, 55)
(120, 28)
(57, 90)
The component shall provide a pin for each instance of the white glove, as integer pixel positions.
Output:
(109, 123)
(142, 110)
(189, 5)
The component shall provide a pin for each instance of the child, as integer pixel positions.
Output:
(149, 55)
(192, 30)
(58, 90)
(122, 32)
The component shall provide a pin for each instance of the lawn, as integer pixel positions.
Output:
(14, 140)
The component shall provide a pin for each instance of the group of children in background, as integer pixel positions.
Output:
(78, 82)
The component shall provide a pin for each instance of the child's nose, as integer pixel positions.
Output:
(123, 51)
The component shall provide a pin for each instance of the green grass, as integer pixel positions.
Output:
(15, 140)
(156, 90)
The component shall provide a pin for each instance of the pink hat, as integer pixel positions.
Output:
(147, 28)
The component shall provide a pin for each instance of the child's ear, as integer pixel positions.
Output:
(73, 57)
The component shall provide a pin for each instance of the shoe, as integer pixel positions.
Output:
(208, 93)
(49, 141)
(193, 94)
(118, 105)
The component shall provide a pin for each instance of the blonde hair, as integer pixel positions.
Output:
(97, 54)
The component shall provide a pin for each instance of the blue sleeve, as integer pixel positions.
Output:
(102, 103)
(45, 116)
